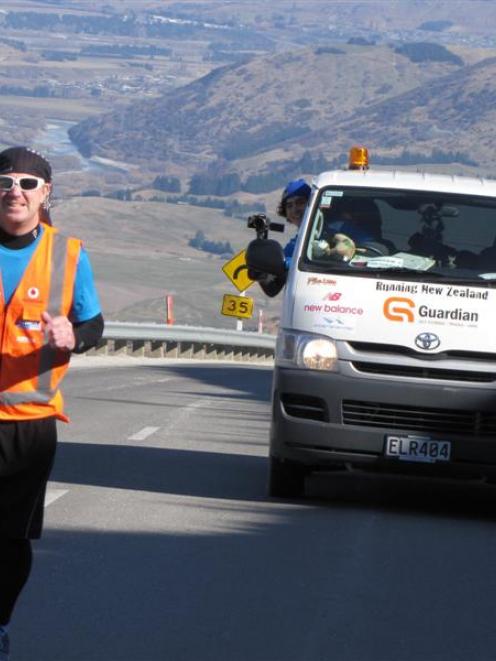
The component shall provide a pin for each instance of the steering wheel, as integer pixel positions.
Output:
(375, 248)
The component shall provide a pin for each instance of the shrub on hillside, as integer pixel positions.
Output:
(329, 50)
(238, 210)
(360, 41)
(200, 242)
(437, 156)
(423, 51)
(435, 26)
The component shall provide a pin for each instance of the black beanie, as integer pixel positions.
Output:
(23, 159)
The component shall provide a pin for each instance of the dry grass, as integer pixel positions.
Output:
(140, 253)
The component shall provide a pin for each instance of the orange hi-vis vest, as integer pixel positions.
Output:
(30, 369)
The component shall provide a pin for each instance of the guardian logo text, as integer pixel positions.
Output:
(399, 308)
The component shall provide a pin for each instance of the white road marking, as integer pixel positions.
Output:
(54, 494)
(143, 433)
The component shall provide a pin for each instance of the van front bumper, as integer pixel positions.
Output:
(321, 419)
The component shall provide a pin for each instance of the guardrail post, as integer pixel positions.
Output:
(198, 350)
(137, 347)
(117, 346)
(186, 350)
(171, 349)
(154, 349)
(100, 349)
(211, 351)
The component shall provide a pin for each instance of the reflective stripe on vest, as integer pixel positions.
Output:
(35, 397)
(43, 394)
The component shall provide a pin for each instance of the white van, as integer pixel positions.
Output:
(386, 352)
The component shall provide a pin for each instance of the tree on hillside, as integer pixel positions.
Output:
(167, 184)
(220, 185)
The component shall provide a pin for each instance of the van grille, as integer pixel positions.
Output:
(398, 350)
(424, 372)
(418, 419)
(304, 406)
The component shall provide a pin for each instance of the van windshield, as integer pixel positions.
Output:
(372, 230)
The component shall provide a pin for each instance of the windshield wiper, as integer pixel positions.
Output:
(400, 270)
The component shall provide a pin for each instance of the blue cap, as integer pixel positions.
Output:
(296, 188)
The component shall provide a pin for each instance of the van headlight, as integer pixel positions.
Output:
(313, 352)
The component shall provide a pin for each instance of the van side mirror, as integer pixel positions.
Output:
(265, 257)
(266, 264)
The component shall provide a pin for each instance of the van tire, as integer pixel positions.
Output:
(286, 479)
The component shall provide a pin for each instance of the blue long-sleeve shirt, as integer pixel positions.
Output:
(13, 263)
(289, 250)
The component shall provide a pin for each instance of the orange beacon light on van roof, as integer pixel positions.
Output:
(358, 158)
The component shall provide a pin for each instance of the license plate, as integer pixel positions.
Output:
(417, 448)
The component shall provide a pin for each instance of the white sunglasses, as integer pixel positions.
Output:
(7, 182)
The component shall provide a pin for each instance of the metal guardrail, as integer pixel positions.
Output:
(162, 341)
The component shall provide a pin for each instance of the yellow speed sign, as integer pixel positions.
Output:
(237, 306)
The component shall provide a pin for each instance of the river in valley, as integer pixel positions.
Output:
(54, 140)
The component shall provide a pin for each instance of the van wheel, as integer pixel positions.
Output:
(286, 479)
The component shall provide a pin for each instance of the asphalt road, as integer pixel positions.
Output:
(161, 545)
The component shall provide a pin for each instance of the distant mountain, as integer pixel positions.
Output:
(454, 115)
(257, 116)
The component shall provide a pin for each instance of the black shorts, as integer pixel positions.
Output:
(27, 451)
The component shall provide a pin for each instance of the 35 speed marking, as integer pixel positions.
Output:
(237, 306)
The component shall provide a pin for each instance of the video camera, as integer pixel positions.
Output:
(261, 224)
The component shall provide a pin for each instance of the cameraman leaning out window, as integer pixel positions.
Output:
(292, 206)
(267, 261)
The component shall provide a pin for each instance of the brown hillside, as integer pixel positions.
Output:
(140, 253)
(455, 113)
(269, 102)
